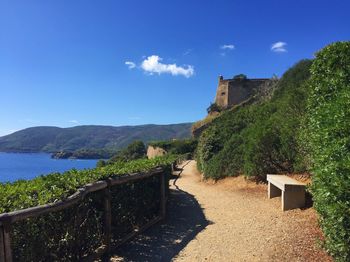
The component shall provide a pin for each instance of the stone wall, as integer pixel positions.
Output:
(153, 152)
(232, 92)
(221, 98)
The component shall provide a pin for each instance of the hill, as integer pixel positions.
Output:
(53, 139)
(259, 137)
(302, 128)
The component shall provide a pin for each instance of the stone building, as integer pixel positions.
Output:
(234, 91)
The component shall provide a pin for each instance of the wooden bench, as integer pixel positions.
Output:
(292, 191)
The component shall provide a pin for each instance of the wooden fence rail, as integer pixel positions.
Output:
(7, 219)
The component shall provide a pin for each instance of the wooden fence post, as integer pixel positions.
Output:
(5, 235)
(162, 195)
(2, 244)
(173, 166)
(107, 219)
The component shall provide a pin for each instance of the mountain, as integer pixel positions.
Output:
(53, 139)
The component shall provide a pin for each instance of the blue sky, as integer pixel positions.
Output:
(70, 62)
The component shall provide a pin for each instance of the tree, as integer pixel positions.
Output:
(214, 107)
(101, 163)
(240, 77)
(133, 151)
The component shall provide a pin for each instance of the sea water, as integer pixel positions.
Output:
(14, 166)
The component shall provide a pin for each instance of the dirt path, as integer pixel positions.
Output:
(229, 221)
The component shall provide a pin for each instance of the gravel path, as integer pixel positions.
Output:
(227, 221)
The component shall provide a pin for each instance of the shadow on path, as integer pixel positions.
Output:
(162, 242)
(176, 177)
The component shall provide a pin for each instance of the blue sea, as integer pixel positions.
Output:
(14, 166)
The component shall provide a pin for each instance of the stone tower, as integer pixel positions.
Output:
(234, 91)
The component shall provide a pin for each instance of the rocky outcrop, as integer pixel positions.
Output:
(153, 152)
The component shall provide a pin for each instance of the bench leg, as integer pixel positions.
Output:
(291, 200)
(273, 191)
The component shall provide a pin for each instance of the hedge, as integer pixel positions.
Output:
(328, 134)
(78, 231)
(56, 186)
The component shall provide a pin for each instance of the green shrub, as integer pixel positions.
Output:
(56, 186)
(77, 231)
(240, 77)
(209, 144)
(133, 151)
(178, 147)
(227, 162)
(214, 107)
(328, 122)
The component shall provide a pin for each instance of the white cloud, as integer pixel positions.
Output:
(187, 52)
(153, 65)
(74, 121)
(227, 47)
(279, 47)
(130, 64)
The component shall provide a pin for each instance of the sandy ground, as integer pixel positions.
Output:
(231, 220)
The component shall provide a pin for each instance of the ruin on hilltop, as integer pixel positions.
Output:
(234, 91)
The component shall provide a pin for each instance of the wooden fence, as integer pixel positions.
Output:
(8, 219)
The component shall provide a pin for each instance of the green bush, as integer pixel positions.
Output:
(72, 233)
(133, 151)
(328, 133)
(240, 77)
(178, 147)
(208, 145)
(56, 186)
(101, 163)
(214, 107)
(261, 137)
(227, 161)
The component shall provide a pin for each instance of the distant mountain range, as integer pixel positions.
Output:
(53, 139)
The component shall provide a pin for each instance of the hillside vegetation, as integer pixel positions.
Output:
(101, 153)
(58, 186)
(260, 137)
(179, 147)
(136, 150)
(304, 127)
(54, 139)
(79, 230)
